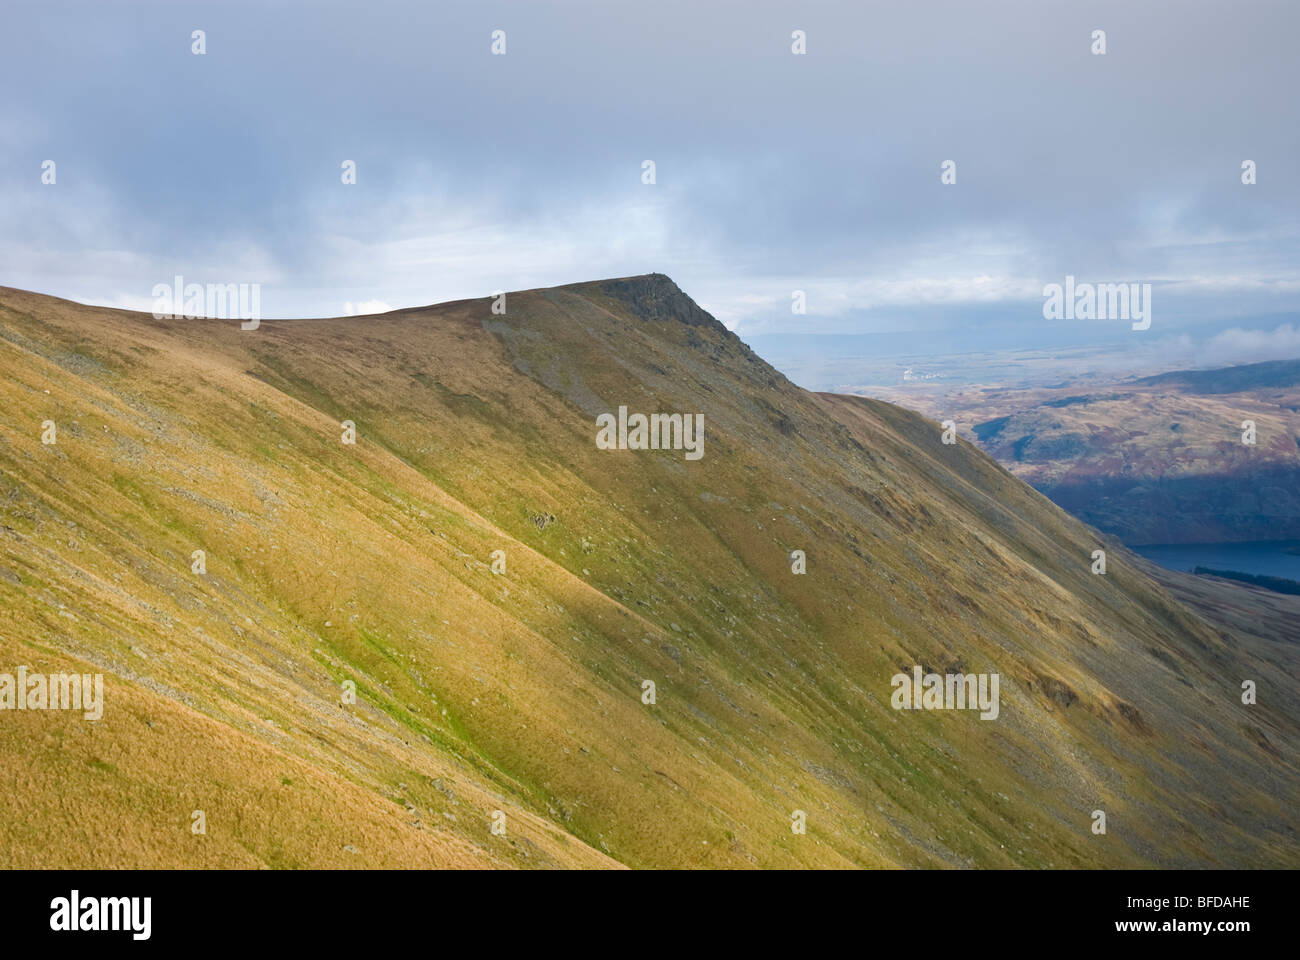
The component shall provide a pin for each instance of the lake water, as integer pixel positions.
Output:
(1266, 557)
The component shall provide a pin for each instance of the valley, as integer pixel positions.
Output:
(1208, 456)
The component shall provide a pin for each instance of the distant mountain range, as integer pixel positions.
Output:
(479, 636)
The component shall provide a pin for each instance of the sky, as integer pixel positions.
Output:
(774, 172)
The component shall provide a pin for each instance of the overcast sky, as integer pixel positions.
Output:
(775, 172)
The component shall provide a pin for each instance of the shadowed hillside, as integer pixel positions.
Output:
(522, 691)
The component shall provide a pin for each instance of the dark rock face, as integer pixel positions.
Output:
(655, 297)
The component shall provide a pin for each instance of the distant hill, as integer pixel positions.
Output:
(1156, 460)
(497, 590)
(1271, 374)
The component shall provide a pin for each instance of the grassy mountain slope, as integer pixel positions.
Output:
(521, 691)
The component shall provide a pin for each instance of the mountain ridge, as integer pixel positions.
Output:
(521, 691)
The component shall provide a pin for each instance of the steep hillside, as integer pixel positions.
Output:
(522, 691)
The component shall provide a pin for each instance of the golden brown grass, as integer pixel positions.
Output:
(521, 692)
